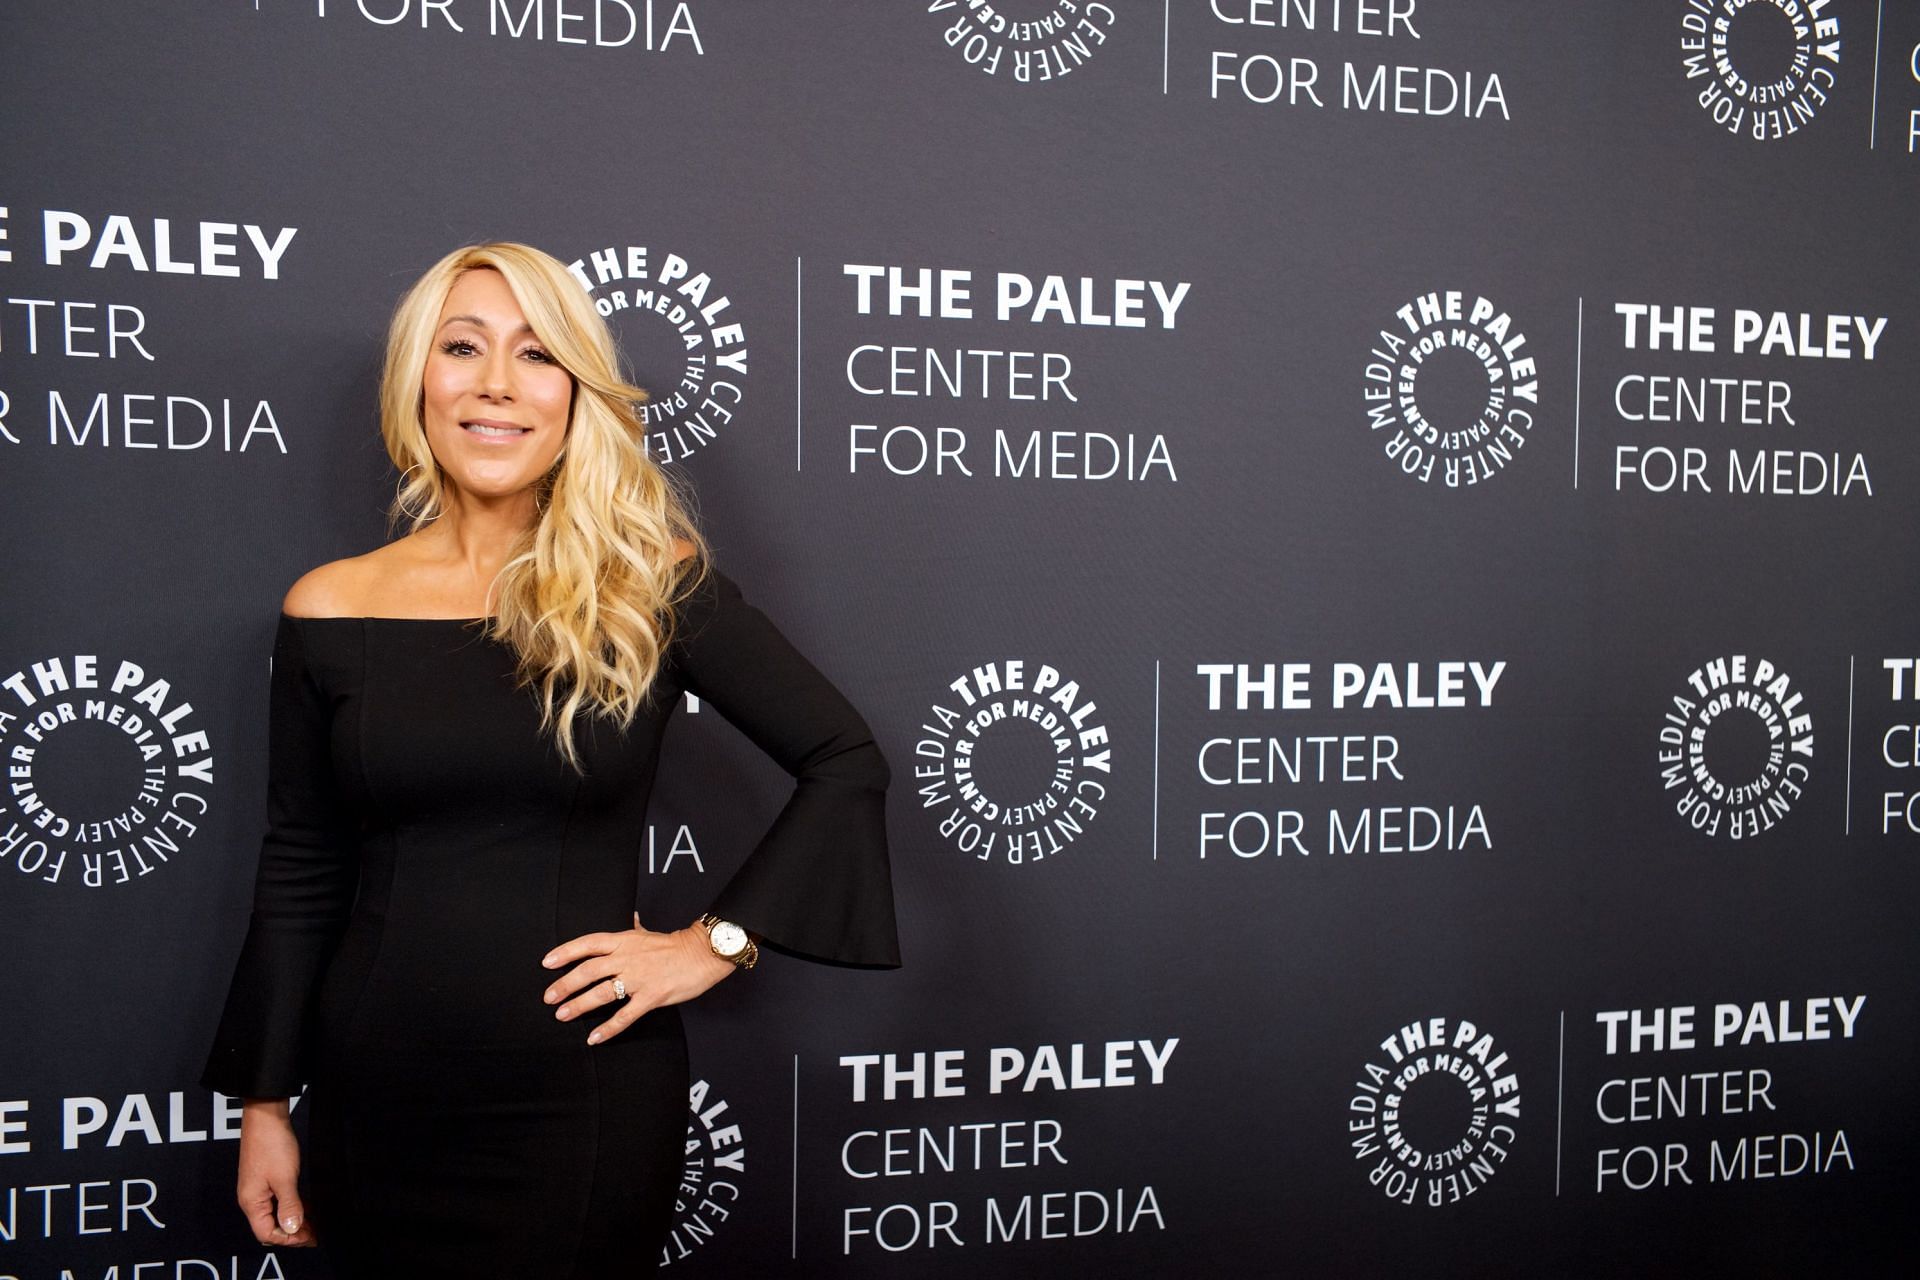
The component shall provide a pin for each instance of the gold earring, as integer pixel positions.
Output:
(400, 497)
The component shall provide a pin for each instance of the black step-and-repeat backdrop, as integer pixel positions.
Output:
(1377, 535)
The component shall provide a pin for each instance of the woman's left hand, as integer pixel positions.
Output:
(657, 968)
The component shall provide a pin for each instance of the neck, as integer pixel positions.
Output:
(477, 533)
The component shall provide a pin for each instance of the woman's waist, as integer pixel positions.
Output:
(456, 973)
(431, 1005)
(470, 895)
(404, 1051)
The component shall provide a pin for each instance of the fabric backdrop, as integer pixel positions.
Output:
(1377, 536)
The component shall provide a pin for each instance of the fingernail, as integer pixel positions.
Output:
(547, 963)
(594, 1038)
(292, 1224)
(562, 1012)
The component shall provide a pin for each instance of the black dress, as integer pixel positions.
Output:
(425, 847)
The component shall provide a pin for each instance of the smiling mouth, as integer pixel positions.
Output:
(493, 432)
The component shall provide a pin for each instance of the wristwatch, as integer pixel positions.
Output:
(730, 942)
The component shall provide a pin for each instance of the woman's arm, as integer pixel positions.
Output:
(818, 884)
(304, 885)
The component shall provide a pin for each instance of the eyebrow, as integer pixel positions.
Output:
(478, 323)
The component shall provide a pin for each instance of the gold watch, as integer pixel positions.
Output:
(730, 942)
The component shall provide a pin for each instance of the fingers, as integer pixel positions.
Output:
(587, 944)
(578, 978)
(278, 1219)
(291, 1224)
(630, 1010)
(260, 1221)
(674, 968)
(588, 985)
(593, 997)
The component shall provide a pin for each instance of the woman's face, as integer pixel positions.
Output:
(496, 404)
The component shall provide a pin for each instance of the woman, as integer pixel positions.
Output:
(464, 730)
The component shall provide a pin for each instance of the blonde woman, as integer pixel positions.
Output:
(464, 728)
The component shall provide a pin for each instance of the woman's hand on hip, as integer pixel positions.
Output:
(656, 968)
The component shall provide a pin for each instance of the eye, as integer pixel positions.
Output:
(457, 347)
(538, 356)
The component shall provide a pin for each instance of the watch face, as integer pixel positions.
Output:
(729, 939)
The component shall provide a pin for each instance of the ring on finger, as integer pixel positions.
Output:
(619, 989)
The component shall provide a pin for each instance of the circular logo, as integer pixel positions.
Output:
(1029, 40)
(108, 777)
(1449, 395)
(682, 336)
(716, 1158)
(1763, 67)
(1433, 1119)
(1019, 768)
(1736, 746)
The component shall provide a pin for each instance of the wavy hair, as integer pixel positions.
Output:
(587, 597)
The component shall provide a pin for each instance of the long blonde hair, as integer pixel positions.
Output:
(587, 595)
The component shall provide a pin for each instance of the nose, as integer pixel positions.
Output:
(496, 374)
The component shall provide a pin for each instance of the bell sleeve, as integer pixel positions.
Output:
(819, 883)
(303, 889)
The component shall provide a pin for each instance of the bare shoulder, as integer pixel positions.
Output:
(335, 589)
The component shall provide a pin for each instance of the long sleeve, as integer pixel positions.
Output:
(819, 883)
(303, 890)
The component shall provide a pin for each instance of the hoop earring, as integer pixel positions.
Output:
(400, 498)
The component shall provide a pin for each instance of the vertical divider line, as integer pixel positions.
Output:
(798, 360)
(1156, 760)
(1166, 41)
(1849, 827)
(1579, 353)
(794, 1245)
(1873, 112)
(1560, 1105)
